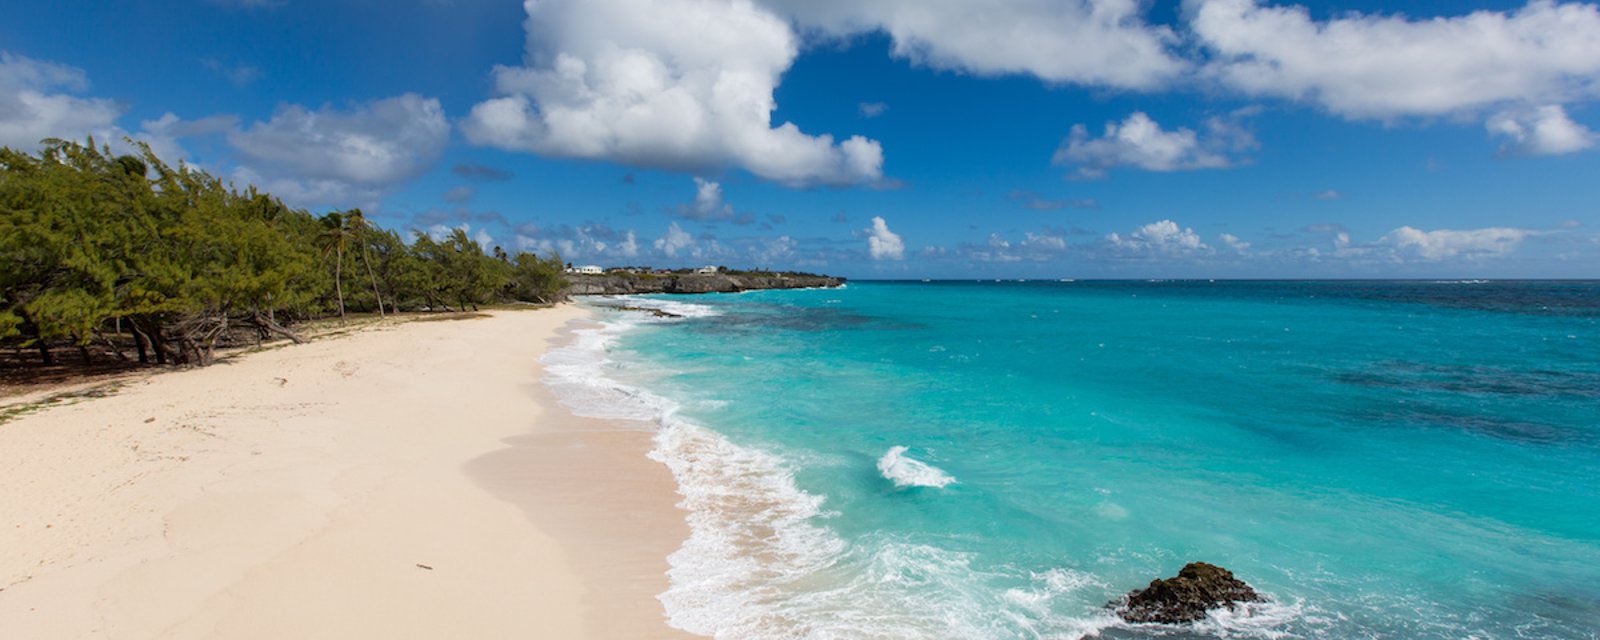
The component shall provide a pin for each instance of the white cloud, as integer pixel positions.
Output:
(873, 109)
(684, 85)
(1163, 237)
(883, 244)
(629, 247)
(774, 250)
(1094, 42)
(163, 133)
(675, 241)
(1448, 243)
(588, 241)
(708, 204)
(1541, 131)
(1234, 242)
(1369, 66)
(1044, 241)
(36, 102)
(1140, 142)
(342, 157)
(1043, 246)
(438, 232)
(1328, 194)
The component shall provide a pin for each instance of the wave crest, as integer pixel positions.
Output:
(904, 471)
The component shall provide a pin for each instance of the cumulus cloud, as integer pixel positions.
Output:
(1371, 66)
(873, 109)
(164, 133)
(1163, 237)
(37, 101)
(1045, 245)
(1539, 131)
(675, 241)
(683, 85)
(708, 204)
(589, 241)
(629, 246)
(1449, 243)
(1140, 142)
(1233, 242)
(883, 244)
(439, 232)
(342, 157)
(774, 250)
(1093, 42)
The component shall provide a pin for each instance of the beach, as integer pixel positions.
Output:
(410, 480)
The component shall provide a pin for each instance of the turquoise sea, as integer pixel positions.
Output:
(1002, 459)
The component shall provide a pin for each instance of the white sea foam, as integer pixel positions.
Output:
(675, 307)
(760, 562)
(1268, 620)
(905, 471)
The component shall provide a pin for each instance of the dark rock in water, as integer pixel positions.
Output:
(1198, 588)
(650, 310)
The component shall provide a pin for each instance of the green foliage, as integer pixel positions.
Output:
(535, 279)
(88, 239)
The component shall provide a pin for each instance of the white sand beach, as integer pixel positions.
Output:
(412, 480)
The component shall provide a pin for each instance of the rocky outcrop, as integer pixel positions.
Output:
(627, 284)
(1198, 588)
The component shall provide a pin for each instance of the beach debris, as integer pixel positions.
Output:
(149, 419)
(423, 566)
(281, 381)
(1197, 589)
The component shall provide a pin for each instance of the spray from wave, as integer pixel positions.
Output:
(904, 471)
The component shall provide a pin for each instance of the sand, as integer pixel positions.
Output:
(413, 480)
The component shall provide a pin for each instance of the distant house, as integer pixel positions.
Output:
(588, 270)
(706, 269)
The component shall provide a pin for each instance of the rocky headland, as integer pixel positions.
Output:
(615, 284)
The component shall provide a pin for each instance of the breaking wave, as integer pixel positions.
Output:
(905, 471)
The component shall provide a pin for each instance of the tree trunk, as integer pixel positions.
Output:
(139, 342)
(267, 325)
(44, 353)
(375, 295)
(83, 351)
(338, 276)
(112, 344)
(153, 335)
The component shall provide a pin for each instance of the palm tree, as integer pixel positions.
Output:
(357, 222)
(335, 235)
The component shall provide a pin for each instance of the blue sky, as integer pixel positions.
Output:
(898, 138)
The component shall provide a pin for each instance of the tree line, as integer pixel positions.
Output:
(94, 245)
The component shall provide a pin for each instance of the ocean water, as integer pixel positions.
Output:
(1001, 460)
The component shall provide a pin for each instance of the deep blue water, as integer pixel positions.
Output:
(1384, 459)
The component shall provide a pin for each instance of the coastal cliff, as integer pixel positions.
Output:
(631, 283)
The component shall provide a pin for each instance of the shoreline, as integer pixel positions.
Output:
(601, 495)
(408, 480)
